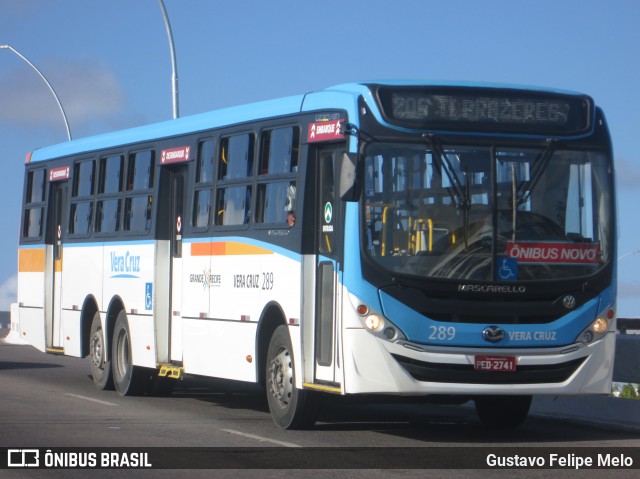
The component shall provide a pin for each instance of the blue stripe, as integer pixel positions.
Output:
(32, 246)
(94, 244)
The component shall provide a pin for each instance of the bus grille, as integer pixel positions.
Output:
(463, 373)
(481, 317)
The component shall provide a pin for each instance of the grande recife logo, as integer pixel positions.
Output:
(554, 252)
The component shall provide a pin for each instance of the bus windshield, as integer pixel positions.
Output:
(487, 213)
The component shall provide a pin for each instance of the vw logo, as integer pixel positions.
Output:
(493, 334)
(569, 302)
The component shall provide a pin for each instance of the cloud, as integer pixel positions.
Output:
(19, 9)
(629, 289)
(629, 299)
(88, 91)
(627, 174)
(8, 293)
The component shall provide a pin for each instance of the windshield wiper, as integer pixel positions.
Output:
(459, 196)
(460, 193)
(539, 166)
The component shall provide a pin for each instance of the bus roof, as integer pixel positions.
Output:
(342, 96)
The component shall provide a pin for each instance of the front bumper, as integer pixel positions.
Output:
(376, 366)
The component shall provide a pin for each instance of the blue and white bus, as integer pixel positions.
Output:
(449, 242)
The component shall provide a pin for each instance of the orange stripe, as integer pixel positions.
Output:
(226, 249)
(31, 260)
(218, 249)
(201, 249)
(241, 248)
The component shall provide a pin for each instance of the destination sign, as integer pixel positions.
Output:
(175, 155)
(485, 109)
(59, 174)
(325, 131)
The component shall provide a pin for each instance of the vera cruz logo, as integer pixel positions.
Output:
(124, 265)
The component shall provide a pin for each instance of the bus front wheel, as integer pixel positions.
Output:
(100, 366)
(290, 408)
(128, 379)
(502, 411)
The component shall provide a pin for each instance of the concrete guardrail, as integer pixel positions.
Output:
(605, 411)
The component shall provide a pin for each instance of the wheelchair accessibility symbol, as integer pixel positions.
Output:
(507, 269)
(148, 296)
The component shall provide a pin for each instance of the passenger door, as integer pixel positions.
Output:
(179, 177)
(329, 234)
(168, 284)
(53, 269)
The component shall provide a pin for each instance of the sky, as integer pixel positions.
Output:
(109, 62)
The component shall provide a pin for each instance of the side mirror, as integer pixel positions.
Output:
(348, 177)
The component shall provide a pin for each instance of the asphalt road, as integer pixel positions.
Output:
(50, 402)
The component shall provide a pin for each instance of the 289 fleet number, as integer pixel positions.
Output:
(442, 333)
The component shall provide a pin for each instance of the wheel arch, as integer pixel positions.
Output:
(89, 309)
(115, 306)
(272, 316)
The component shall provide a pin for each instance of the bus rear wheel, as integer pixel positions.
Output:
(129, 380)
(502, 411)
(290, 408)
(100, 366)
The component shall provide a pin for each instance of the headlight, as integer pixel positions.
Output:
(376, 323)
(381, 327)
(598, 328)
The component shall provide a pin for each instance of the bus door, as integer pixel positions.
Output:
(328, 239)
(53, 269)
(179, 177)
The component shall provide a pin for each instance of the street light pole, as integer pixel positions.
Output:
(174, 63)
(53, 92)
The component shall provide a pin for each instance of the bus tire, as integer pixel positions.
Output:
(502, 411)
(129, 380)
(100, 366)
(290, 408)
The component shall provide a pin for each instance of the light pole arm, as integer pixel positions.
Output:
(629, 254)
(174, 62)
(53, 92)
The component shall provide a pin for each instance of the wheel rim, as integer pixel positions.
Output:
(97, 349)
(122, 364)
(281, 375)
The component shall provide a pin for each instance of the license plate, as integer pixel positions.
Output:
(495, 363)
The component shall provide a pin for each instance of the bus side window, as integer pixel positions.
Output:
(236, 157)
(279, 151)
(233, 205)
(81, 217)
(276, 202)
(202, 194)
(32, 220)
(138, 204)
(277, 194)
(82, 199)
